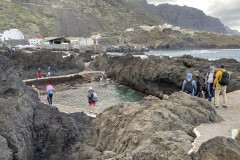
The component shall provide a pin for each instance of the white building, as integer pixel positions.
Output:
(165, 25)
(82, 41)
(129, 30)
(176, 28)
(147, 28)
(86, 41)
(34, 42)
(12, 34)
(90, 42)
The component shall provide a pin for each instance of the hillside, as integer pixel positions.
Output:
(174, 40)
(183, 16)
(71, 17)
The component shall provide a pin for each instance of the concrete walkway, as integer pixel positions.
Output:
(64, 76)
(231, 121)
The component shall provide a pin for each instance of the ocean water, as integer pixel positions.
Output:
(212, 54)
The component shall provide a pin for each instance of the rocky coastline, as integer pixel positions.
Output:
(157, 76)
(150, 129)
(61, 62)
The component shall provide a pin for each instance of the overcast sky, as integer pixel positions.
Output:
(227, 10)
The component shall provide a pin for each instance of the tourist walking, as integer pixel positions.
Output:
(92, 99)
(221, 81)
(49, 72)
(50, 90)
(201, 85)
(189, 85)
(39, 73)
(210, 79)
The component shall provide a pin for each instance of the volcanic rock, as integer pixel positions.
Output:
(30, 129)
(27, 64)
(149, 129)
(238, 138)
(157, 76)
(218, 148)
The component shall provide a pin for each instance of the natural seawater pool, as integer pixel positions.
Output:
(109, 94)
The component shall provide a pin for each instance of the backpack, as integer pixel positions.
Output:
(95, 94)
(225, 79)
(188, 86)
(203, 85)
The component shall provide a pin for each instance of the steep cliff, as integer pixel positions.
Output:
(183, 16)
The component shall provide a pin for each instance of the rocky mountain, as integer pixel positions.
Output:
(71, 17)
(183, 16)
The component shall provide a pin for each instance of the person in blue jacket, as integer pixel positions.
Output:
(92, 99)
(49, 72)
(189, 85)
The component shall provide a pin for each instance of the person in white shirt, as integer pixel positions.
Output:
(210, 78)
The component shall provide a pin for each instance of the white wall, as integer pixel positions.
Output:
(14, 34)
(34, 42)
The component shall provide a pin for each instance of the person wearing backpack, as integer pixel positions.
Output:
(189, 85)
(221, 81)
(201, 86)
(92, 99)
(211, 75)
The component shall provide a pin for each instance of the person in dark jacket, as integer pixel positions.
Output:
(92, 99)
(201, 85)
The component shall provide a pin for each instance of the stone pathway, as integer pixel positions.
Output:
(231, 121)
(65, 76)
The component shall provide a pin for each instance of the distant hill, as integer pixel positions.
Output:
(37, 18)
(231, 31)
(184, 16)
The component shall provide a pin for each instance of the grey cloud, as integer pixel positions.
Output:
(229, 13)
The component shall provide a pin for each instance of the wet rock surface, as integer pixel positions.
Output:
(61, 63)
(157, 76)
(30, 129)
(150, 129)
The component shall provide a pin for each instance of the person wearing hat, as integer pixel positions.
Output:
(221, 81)
(210, 79)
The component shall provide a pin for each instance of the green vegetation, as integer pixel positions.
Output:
(41, 18)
